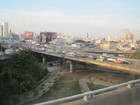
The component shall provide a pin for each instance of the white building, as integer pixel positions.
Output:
(5, 29)
(1, 30)
(112, 38)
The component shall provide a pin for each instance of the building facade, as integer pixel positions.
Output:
(5, 29)
(1, 31)
(112, 38)
(128, 36)
(28, 35)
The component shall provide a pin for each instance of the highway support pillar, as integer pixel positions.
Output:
(72, 66)
(85, 66)
(43, 60)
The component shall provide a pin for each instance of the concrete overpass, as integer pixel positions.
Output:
(132, 69)
(112, 52)
(101, 52)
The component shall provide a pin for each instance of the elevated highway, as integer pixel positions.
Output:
(112, 52)
(132, 69)
(99, 52)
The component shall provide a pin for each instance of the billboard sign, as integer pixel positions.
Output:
(28, 35)
(46, 37)
(43, 37)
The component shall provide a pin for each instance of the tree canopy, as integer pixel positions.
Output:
(136, 55)
(22, 74)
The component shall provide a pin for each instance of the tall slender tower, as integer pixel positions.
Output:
(124, 35)
(87, 35)
(125, 31)
(1, 31)
(128, 36)
(5, 29)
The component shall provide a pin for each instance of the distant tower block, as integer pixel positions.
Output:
(125, 31)
(1, 31)
(5, 29)
(87, 35)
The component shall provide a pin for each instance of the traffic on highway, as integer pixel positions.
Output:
(67, 52)
(79, 54)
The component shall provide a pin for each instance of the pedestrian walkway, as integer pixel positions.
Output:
(83, 85)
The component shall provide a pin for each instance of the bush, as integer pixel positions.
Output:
(136, 55)
(15, 99)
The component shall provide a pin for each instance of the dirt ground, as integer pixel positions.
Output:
(65, 86)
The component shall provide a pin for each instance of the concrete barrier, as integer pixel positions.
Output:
(122, 96)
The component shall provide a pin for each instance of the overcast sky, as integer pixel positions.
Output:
(100, 18)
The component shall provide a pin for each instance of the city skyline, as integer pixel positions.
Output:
(74, 17)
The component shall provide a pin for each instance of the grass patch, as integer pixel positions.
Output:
(61, 88)
(75, 89)
(93, 87)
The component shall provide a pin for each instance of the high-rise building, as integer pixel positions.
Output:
(4, 29)
(9, 31)
(125, 31)
(1, 31)
(87, 35)
(128, 36)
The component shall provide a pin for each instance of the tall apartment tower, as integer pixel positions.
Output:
(5, 29)
(125, 31)
(128, 36)
(87, 35)
(1, 31)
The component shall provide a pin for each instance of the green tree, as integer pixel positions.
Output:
(26, 69)
(22, 74)
(136, 55)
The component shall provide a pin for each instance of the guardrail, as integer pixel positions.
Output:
(129, 84)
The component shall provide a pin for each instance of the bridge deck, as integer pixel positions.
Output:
(133, 68)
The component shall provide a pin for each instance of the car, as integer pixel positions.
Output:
(121, 56)
(127, 62)
(116, 61)
(90, 56)
(120, 59)
(64, 52)
(70, 54)
(124, 61)
(99, 60)
(84, 56)
(111, 59)
(42, 49)
(9, 51)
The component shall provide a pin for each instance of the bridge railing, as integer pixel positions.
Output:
(89, 94)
